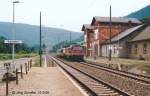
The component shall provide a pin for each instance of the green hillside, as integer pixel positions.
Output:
(140, 14)
(30, 33)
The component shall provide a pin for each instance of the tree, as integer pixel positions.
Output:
(146, 20)
(19, 48)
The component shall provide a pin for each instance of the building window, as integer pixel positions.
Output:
(96, 34)
(135, 48)
(130, 49)
(85, 38)
(106, 50)
(114, 49)
(144, 48)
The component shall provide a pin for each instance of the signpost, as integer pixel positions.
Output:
(13, 42)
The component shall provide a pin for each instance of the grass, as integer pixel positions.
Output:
(5, 56)
(133, 61)
(9, 56)
(141, 65)
(36, 61)
(123, 61)
(145, 68)
(53, 53)
(1, 82)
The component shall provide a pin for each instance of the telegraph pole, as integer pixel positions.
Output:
(40, 51)
(110, 24)
(70, 37)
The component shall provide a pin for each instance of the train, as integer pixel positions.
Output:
(73, 52)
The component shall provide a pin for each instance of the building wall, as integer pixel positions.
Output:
(91, 47)
(119, 49)
(127, 50)
(103, 33)
(114, 50)
(94, 40)
(88, 37)
(140, 50)
(96, 48)
(123, 51)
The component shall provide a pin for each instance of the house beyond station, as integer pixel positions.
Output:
(97, 33)
(119, 43)
(131, 43)
(139, 46)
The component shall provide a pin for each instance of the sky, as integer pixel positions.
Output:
(66, 14)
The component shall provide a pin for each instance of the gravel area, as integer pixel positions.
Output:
(129, 85)
(43, 82)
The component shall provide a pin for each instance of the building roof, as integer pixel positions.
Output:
(125, 33)
(87, 26)
(144, 35)
(116, 19)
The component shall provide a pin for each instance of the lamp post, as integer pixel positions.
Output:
(110, 24)
(13, 34)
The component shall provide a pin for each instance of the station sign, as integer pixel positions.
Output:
(13, 41)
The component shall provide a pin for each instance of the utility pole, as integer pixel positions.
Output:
(70, 37)
(40, 51)
(110, 24)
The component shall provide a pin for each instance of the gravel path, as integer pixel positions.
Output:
(43, 82)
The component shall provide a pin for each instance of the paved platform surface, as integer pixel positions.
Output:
(48, 81)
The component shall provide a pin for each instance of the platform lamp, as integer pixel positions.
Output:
(13, 33)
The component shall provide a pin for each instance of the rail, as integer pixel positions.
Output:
(121, 92)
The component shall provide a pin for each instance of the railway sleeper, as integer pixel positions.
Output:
(103, 91)
(96, 84)
(104, 88)
(108, 94)
(100, 85)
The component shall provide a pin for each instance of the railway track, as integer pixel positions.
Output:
(128, 84)
(138, 78)
(93, 85)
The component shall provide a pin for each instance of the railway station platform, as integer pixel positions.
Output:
(49, 81)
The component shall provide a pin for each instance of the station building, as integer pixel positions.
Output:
(97, 32)
(88, 38)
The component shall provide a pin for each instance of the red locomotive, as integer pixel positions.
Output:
(74, 52)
